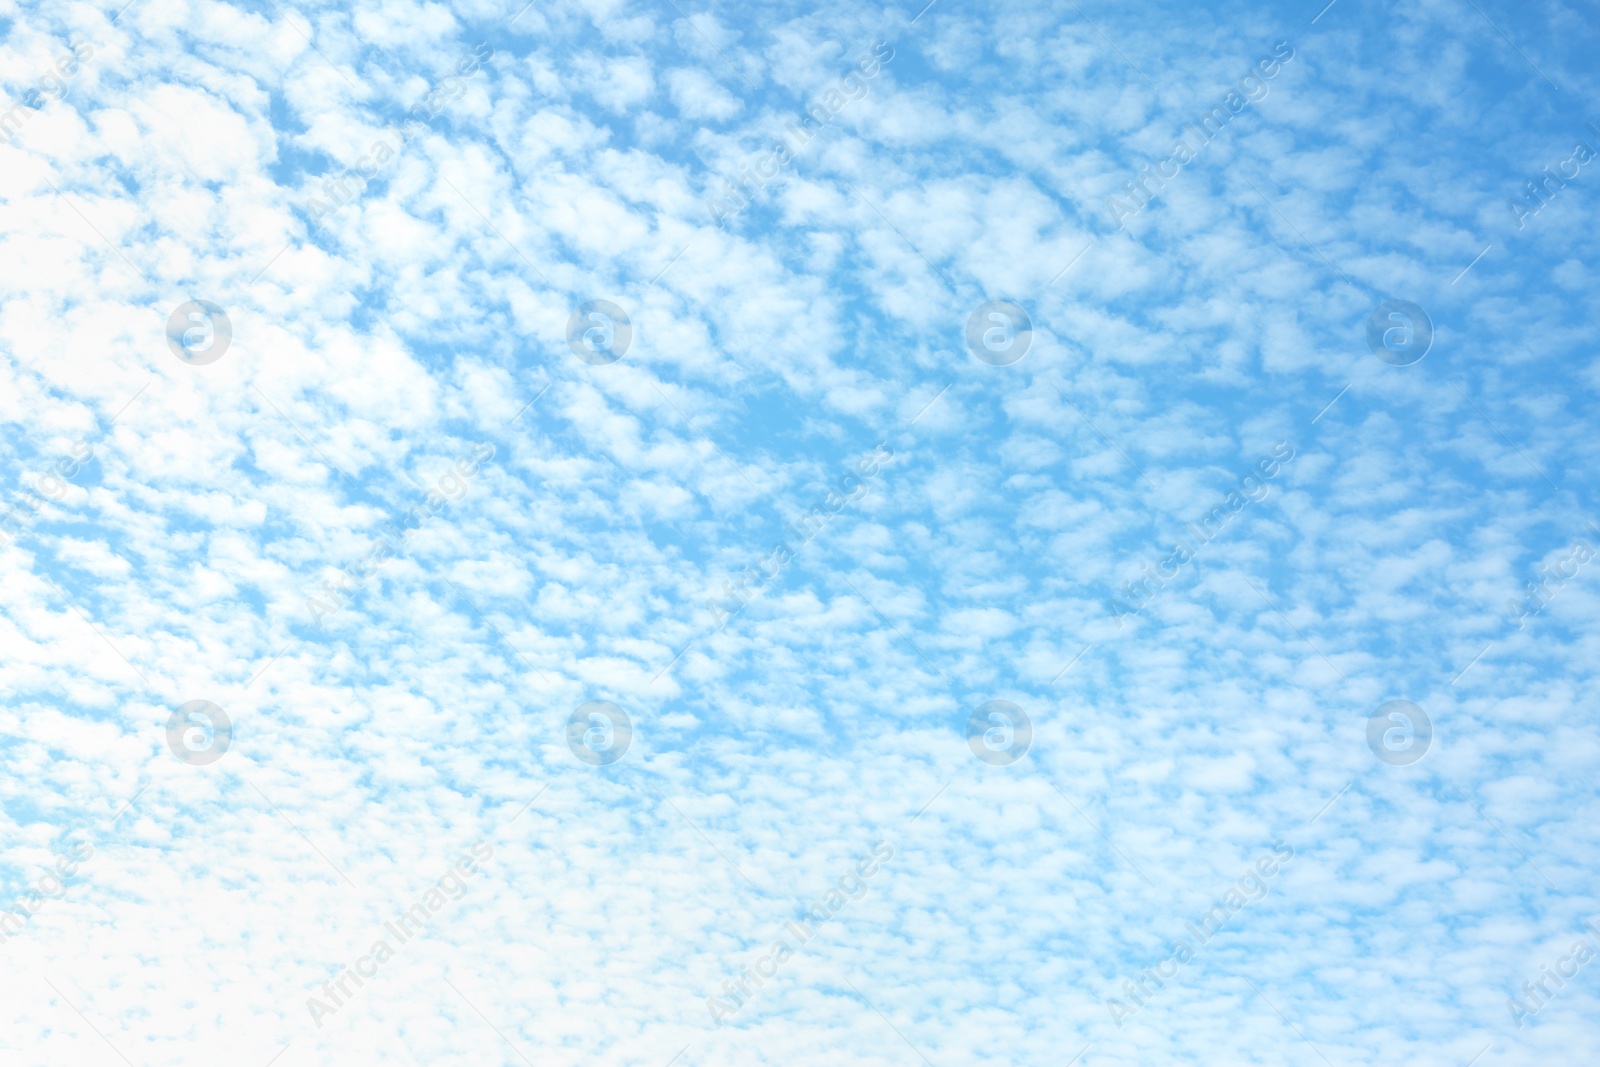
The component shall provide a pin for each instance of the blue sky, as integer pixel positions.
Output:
(690, 616)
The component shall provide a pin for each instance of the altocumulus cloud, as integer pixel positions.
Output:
(376, 505)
